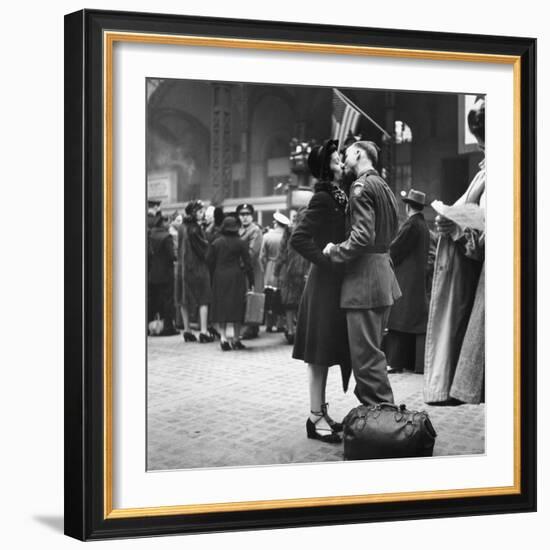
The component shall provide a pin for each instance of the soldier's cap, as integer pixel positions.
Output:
(153, 202)
(416, 198)
(246, 208)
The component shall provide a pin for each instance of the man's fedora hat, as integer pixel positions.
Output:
(417, 198)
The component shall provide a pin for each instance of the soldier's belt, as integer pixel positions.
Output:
(377, 249)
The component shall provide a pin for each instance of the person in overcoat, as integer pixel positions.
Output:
(271, 246)
(233, 275)
(455, 335)
(213, 229)
(321, 338)
(370, 287)
(161, 274)
(290, 271)
(195, 293)
(251, 233)
(404, 342)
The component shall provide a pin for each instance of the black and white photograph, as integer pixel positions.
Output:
(315, 274)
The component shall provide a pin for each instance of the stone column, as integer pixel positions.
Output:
(245, 140)
(388, 145)
(221, 165)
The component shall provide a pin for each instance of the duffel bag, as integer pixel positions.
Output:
(387, 431)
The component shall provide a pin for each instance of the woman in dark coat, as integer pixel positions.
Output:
(194, 290)
(232, 276)
(213, 230)
(321, 332)
(291, 270)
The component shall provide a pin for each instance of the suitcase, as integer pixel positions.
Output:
(387, 431)
(254, 312)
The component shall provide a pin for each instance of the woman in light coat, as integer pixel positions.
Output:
(455, 337)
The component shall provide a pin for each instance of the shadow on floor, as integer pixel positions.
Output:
(55, 523)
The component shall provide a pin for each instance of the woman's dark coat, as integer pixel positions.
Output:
(161, 256)
(409, 253)
(290, 270)
(321, 332)
(193, 275)
(229, 261)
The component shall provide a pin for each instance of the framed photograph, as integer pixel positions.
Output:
(250, 203)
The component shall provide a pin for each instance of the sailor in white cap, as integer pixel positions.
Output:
(268, 254)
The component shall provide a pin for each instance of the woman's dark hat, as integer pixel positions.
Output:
(230, 225)
(416, 198)
(319, 159)
(193, 206)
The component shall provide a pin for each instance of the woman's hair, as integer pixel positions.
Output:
(319, 160)
(476, 120)
(218, 215)
(192, 207)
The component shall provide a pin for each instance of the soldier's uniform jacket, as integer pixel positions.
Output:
(370, 281)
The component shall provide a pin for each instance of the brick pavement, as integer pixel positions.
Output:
(208, 408)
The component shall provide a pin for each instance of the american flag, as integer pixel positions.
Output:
(345, 116)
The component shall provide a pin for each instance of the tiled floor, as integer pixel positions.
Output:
(207, 408)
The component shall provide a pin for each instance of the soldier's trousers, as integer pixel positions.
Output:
(365, 331)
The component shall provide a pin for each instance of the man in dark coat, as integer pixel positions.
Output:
(251, 234)
(404, 343)
(162, 256)
(370, 287)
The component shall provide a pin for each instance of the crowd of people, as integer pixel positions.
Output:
(202, 265)
(347, 285)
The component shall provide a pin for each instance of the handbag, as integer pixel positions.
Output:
(273, 301)
(387, 431)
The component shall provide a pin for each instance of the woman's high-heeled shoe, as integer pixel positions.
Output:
(225, 345)
(189, 336)
(237, 344)
(214, 333)
(205, 338)
(312, 433)
(336, 426)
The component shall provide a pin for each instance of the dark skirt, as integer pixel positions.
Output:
(321, 331)
(197, 291)
(229, 295)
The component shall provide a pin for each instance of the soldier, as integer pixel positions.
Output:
(370, 286)
(251, 233)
